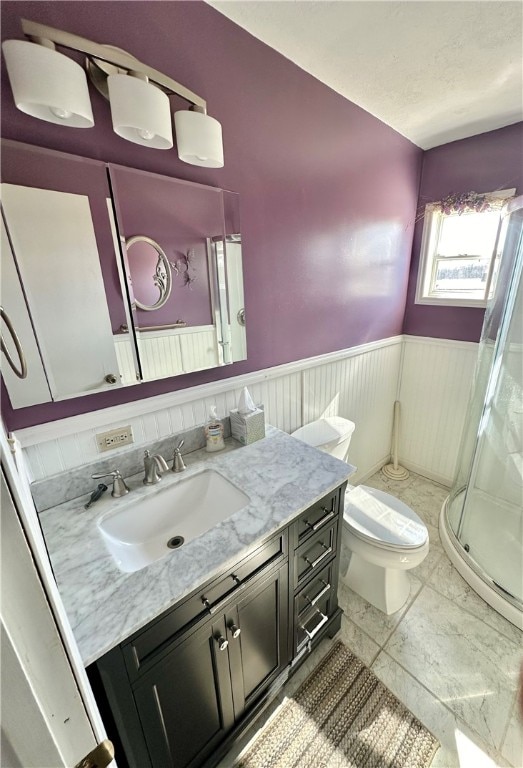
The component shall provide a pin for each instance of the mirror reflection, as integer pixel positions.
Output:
(196, 228)
(122, 276)
(149, 272)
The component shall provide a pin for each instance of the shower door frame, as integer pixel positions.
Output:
(493, 378)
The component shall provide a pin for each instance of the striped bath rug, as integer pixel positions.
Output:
(342, 716)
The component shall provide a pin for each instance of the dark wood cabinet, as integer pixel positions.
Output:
(184, 700)
(178, 692)
(257, 630)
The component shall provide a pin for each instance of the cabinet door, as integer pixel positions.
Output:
(55, 248)
(185, 700)
(257, 630)
(34, 388)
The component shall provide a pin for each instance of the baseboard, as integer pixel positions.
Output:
(424, 472)
(365, 476)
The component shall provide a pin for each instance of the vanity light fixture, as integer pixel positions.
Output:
(49, 85)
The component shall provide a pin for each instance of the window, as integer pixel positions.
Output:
(460, 249)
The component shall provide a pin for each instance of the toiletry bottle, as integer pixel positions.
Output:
(214, 432)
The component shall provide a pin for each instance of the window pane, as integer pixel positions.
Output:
(462, 276)
(471, 233)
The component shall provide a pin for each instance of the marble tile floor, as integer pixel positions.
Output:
(446, 655)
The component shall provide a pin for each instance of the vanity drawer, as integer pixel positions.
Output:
(320, 588)
(317, 516)
(309, 625)
(313, 555)
(205, 602)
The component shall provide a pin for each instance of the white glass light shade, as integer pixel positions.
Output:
(47, 84)
(141, 112)
(199, 139)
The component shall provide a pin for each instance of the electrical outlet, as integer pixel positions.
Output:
(115, 438)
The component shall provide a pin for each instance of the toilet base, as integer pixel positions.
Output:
(387, 589)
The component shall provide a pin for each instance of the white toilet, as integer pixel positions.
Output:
(385, 537)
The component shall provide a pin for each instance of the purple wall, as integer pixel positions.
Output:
(481, 163)
(328, 192)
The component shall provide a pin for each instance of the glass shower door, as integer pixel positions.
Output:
(486, 504)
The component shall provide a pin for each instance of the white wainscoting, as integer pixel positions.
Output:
(362, 389)
(435, 384)
(168, 352)
(360, 384)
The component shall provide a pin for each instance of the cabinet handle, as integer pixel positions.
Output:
(330, 514)
(222, 642)
(219, 605)
(314, 563)
(319, 595)
(311, 635)
(22, 373)
(235, 630)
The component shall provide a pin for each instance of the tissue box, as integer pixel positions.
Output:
(248, 429)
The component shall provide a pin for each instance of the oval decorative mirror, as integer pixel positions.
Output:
(150, 271)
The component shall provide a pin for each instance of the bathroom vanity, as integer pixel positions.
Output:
(183, 653)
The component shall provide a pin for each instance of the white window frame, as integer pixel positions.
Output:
(433, 219)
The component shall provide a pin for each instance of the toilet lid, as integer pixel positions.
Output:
(332, 429)
(382, 519)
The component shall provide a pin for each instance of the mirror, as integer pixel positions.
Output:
(124, 276)
(149, 270)
(194, 229)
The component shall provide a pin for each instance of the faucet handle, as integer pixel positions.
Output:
(119, 486)
(178, 462)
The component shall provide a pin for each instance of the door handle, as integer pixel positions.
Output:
(222, 642)
(99, 757)
(22, 372)
(235, 630)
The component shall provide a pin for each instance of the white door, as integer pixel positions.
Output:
(45, 719)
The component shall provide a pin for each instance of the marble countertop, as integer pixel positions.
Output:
(282, 477)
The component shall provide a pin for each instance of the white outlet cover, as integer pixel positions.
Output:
(114, 438)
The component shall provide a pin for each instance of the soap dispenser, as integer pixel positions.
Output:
(214, 432)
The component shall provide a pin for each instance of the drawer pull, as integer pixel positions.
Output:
(314, 563)
(323, 620)
(219, 605)
(330, 514)
(319, 595)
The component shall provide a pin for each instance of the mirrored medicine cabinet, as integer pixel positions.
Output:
(113, 276)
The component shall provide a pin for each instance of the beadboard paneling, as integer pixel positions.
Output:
(434, 383)
(435, 387)
(346, 387)
(362, 389)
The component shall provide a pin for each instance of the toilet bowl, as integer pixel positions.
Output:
(384, 536)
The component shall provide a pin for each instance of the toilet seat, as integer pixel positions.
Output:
(383, 521)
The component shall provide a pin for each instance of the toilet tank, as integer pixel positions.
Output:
(331, 434)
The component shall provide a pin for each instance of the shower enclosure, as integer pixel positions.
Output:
(481, 523)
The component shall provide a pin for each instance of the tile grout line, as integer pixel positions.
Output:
(511, 712)
(436, 698)
(474, 616)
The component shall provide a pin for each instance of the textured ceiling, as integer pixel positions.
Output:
(435, 71)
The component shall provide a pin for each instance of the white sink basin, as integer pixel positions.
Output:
(142, 532)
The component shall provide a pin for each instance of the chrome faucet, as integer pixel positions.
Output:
(153, 466)
(119, 486)
(178, 462)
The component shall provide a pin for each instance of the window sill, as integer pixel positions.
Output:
(445, 301)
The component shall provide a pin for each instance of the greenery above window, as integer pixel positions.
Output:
(461, 245)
